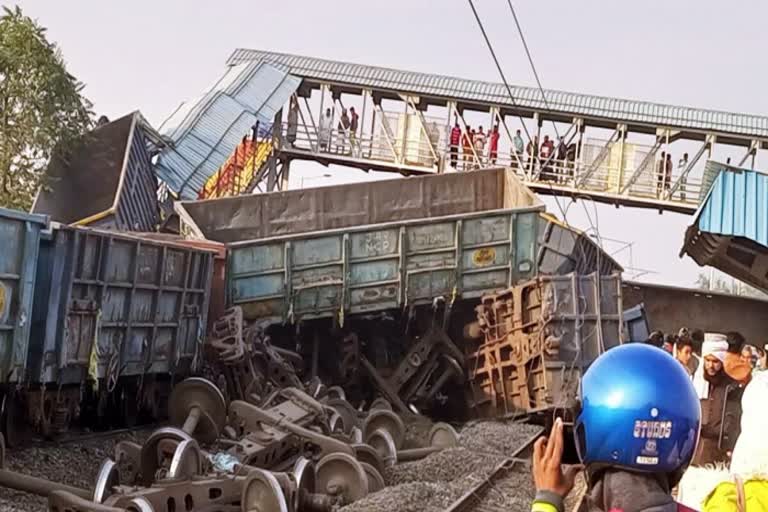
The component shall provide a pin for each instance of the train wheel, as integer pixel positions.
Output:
(341, 475)
(262, 491)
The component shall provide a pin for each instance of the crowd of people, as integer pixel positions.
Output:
(346, 138)
(666, 433)
(720, 366)
(472, 148)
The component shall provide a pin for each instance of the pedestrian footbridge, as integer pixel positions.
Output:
(607, 149)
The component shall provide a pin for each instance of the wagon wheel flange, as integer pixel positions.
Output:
(341, 475)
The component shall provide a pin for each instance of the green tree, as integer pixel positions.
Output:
(42, 110)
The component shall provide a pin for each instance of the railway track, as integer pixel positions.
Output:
(72, 459)
(488, 496)
(511, 477)
(485, 497)
(79, 437)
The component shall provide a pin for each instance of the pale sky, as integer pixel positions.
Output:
(152, 55)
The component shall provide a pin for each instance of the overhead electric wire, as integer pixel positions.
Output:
(597, 330)
(530, 61)
(512, 96)
(529, 55)
(498, 67)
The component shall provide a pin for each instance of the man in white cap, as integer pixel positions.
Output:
(720, 403)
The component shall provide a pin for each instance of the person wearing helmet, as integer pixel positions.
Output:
(636, 434)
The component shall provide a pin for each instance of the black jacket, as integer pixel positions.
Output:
(720, 420)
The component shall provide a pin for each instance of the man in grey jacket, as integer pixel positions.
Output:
(635, 434)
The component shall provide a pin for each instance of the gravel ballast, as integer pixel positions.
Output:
(444, 466)
(74, 463)
(496, 436)
(432, 484)
(415, 496)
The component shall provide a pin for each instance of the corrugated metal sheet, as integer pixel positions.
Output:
(731, 227)
(567, 103)
(136, 207)
(736, 205)
(203, 133)
(711, 170)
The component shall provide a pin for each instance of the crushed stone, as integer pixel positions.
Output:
(73, 463)
(434, 483)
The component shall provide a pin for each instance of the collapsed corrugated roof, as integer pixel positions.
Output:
(201, 134)
(731, 227)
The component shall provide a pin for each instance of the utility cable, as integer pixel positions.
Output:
(530, 61)
(563, 212)
(498, 67)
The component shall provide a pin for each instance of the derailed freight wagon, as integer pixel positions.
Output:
(387, 273)
(115, 320)
(532, 342)
(19, 245)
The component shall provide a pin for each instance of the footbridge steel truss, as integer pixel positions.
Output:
(411, 140)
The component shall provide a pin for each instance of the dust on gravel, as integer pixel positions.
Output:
(74, 463)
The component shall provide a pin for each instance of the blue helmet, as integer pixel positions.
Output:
(639, 411)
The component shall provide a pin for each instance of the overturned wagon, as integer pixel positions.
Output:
(387, 273)
(532, 342)
(380, 245)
